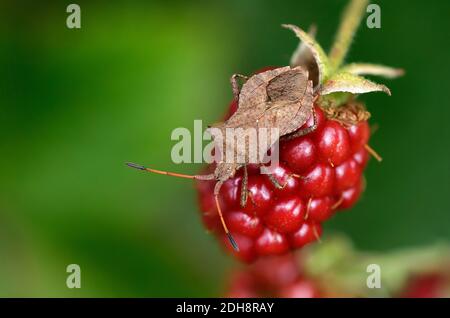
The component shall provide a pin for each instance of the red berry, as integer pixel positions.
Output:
(230, 192)
(208, 205)
(270, 243)
(275, 271)
(321, 120)
(429, 285)
(206, 196)
(286, 215)
(242, 223)
(260, 194)
(333, 143)
(300, 289)
(211, 220)
(246, 245)
(298, 153)
(359, 135)
(242, 285)
(286, 179)
(361, 157)
(347, 175)
(318, 182)
(253, 168)
(320, 209)
(350, 196)
(308, 232)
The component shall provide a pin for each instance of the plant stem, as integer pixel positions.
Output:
(349, 23)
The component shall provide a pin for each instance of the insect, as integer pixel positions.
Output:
(280, 98)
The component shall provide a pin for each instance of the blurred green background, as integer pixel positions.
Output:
(76, 104)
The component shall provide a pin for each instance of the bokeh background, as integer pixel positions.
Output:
(76, 104)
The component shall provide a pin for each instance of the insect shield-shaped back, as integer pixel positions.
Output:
(290, 101)
(271, 104)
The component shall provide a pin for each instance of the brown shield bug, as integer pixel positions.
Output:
(281, 99)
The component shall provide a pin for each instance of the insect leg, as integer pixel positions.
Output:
(244, 188)
(235, 84)
(304, 131)
(277, 184)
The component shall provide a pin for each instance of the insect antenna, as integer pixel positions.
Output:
(196, 177)
(166, 173)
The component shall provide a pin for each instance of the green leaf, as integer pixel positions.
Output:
(319, 55)
(372, 69)
(346, 82)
